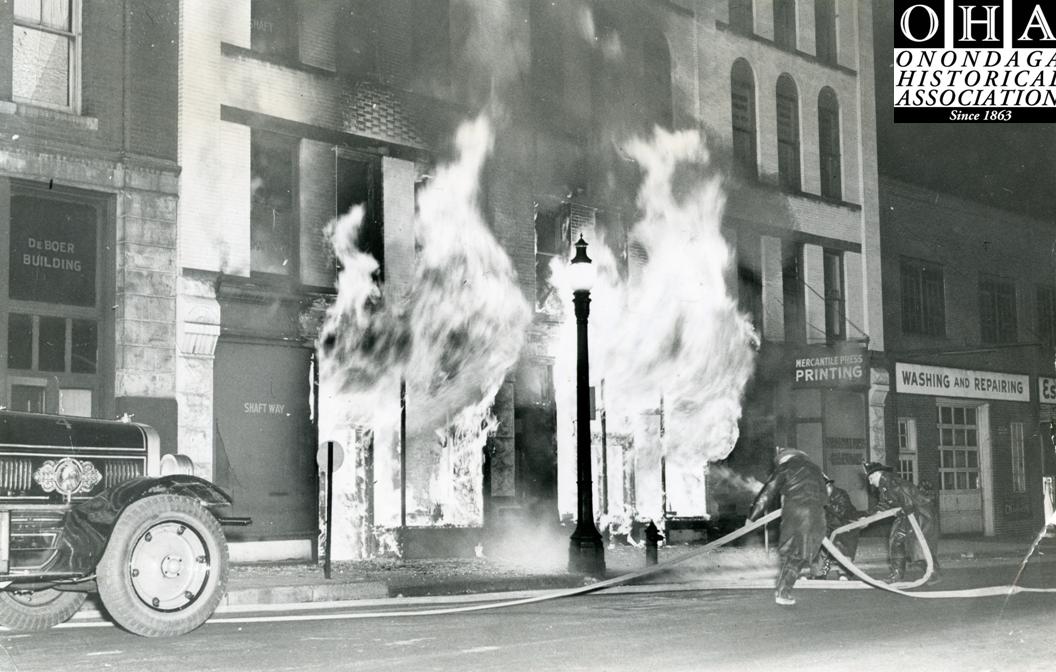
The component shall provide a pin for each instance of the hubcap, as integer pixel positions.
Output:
(169, 566)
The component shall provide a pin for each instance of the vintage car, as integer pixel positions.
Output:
(89, 506)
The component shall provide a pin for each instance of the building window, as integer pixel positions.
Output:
(1047, 315)
(997, 310)
(1019, 465)
(829, 144)
(273, 31)
(907, 449)
(656, 84)
(923, 298)
(431, 43)
(273, 226)
(547, 55)
(835, 300)
(44, 64)
(792, 291)
(741, 16)
(50, 305)
(357, 180)
(553, 240)
(750, 279)
(825, 30)
(958, 448)
(787, 133)
(742, 102)
(785, 24)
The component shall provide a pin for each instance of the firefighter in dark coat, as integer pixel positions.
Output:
(892, 492)
(839, 512)
(801, 486)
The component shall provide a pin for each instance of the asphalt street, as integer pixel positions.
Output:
(678, 630)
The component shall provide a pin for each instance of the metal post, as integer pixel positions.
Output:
(403, 453)
(329, 506)
(586, 553)
(604, 455)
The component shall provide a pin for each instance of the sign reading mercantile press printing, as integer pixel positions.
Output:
(845, 365)
(942, 381)
(53, 248)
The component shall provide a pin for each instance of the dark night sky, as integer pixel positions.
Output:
(1010, 166)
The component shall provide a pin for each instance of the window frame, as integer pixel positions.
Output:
(742, 82)
(917, 315)
(292, 268)
(835, 295)
(741, 16)
(997, 326)
(785, 24)
(826, 50)
(1045, 308)
(1018, 454)
(829, 154)
(73, 78)
(908, 465)
(789, 168)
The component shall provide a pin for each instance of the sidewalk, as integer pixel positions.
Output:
(540, 567)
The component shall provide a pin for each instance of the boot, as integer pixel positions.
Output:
(821, 572)
(898, 570)
(785, 580)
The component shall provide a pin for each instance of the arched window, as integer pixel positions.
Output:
(742, 104)
(829, 144)
(656, 84)
(788, 133)
(741, 16)
(825, 30)
(785, 23)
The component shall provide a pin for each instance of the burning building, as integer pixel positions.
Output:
(375, 205)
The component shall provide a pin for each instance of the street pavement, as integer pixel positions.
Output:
(674, 630)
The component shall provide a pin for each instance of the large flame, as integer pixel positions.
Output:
(451, 337)
(667, 339)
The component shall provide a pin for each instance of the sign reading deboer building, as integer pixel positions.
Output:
(53, 248)
(845, 365)
(943, 381)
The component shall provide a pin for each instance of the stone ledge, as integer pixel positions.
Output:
(30, 111)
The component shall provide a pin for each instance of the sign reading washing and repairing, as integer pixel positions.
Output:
(846, 365)
(943, 381)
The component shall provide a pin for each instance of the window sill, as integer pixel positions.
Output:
(36, 112)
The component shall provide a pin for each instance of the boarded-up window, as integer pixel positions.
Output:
(829, 144)
(274, 27)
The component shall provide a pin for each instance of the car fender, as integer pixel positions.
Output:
(87, 527)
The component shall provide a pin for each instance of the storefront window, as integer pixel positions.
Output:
(958, 448)
(50, 296)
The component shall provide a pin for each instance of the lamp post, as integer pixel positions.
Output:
(586, 554)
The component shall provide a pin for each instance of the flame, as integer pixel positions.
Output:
(668, 340)
(451, 337)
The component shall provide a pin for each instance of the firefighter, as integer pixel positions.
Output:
(902, 544)
(801, 486)
(839, 512)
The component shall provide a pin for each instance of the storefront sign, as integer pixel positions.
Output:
(53, 248)
(942, 381)
(844, 366)
(1047, 390)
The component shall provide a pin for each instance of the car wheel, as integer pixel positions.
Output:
(32, 610)
(165, 567)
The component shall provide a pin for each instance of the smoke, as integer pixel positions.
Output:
(451, 339)
(734, 482)
(668, 340)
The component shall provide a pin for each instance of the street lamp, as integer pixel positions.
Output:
(586, 554)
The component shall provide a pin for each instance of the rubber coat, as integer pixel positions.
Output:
(801, 486)
(892, 492)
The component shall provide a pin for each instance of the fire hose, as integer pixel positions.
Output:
(867, 581)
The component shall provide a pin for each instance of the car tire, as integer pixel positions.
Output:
(165, 567)
(34, 610)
